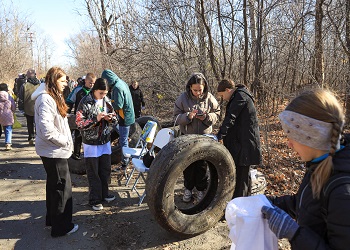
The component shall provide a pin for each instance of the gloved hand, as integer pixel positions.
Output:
(280, 222)
(143, 107)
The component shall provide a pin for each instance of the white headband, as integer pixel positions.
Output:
(307, 131)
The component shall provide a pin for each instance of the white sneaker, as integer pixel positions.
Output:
(200, 195)
(110, 198)
(187, 195)
(97, 207)
(74, 229)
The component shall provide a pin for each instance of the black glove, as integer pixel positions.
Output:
(280, 222)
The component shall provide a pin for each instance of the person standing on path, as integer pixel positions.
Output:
(95, 114)
(26, 104)
(7, 108)
(73, 101)
(137, 98)
(54, 146)
(122, 104)
(239, 132)
(196, 111)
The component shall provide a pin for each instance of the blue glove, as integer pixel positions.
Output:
(280, 222)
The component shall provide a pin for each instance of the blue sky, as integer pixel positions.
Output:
(58, 19)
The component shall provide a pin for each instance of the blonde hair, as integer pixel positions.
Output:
(322, 105)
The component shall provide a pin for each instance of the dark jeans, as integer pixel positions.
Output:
(242, 182)
(78, 140)
(195, 175)
(98, 170)
(30, 127)
(59, 204)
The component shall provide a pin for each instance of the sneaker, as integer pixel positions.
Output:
(97, 207)
(31, 141)
(200, 195)
(74, 229)
(8, 147)
(187, 195)
(109, 198)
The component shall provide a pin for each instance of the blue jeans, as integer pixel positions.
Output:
(8, 134)
(123, 139)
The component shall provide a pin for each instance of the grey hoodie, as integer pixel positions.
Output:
(53, 136)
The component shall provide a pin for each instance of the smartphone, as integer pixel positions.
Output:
(111, 114)
(200, 115)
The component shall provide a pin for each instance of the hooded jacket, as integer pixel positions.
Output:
(93, 132)
(315, 231)
(121, 98)
(25, 101)
(7, 108)
(53, 137)
(240, 129)
(206, 104)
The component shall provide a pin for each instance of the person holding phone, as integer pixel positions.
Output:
(94, 116)
(196, 111)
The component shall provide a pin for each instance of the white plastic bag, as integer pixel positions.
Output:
(248, 229)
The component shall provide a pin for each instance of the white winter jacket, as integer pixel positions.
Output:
(53, 137)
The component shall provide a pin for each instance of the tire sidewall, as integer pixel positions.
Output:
(169, 164)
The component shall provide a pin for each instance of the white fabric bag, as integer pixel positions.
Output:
(248, 229)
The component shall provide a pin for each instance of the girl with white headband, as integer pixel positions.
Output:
(317, 216)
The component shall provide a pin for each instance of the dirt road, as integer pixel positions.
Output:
(121, 225)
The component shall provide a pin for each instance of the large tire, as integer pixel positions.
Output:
(169, 164)
(134, 135)
(76, 166)
(144, 119)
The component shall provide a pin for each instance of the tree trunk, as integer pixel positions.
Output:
(319, 65)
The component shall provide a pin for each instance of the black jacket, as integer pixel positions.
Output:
(78, 97)
(317, 232)
(240, 129)
(93, 132)
(137, 97)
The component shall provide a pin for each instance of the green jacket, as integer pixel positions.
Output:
(121, 98)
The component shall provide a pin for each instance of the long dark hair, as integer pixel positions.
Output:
(51, 79)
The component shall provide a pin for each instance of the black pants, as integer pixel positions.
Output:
(137, 111)
(78, 140)
(30, 127)
(59, 203)
(98, 170)
(242, 182)
(195, 175)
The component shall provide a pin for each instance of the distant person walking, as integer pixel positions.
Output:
(122, 104)
(26, 104)
(137, 98)
(7, 108)
(239, 132)
(54, 146)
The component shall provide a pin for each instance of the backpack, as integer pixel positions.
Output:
(333, 182)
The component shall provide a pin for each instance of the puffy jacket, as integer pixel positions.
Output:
(186, 102)
(53, 137)
(93, 132)
(240, 129)
(317, 232)
(121, 98)
(7, 107)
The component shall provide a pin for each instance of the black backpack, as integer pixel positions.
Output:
(333, 182)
